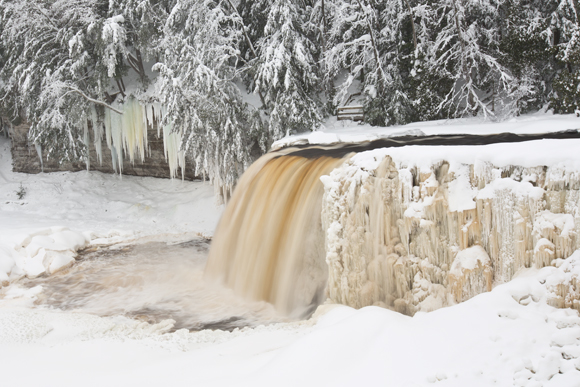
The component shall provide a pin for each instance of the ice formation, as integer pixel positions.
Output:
(416, 239)
(43, 252)
(126, 134)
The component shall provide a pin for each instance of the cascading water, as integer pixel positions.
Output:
(269, 244)
(394, 235)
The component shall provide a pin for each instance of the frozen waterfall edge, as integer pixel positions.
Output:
(418, 239)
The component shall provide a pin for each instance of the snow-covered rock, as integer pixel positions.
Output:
(44, 251)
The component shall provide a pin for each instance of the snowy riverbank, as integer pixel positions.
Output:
(58, 213)
(507, 337)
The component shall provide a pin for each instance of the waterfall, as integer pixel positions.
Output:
(269, 244)
(316, 223)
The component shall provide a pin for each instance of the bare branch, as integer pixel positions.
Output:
(95, 101)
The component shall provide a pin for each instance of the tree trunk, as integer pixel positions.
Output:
(412, 16)
(244, 31)
(140, 65)
(465, 70)
(120, 86)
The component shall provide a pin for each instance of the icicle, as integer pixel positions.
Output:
(98, 135)
(87, 143)
(149, 120)
(182, 162)
(140, 128)
(158, 114)
(144, 129)
(149, 115)
(171, 145)
(134, 131)
(114, 158)
(117, 139)
(128, 131)
(39, 153)
(126, 134)
(108, 128)
(174, 157)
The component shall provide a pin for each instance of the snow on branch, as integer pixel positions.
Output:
(95, 101)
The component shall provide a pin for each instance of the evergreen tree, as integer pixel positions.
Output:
(566, 17)
(54, 73)
(465, 50)
(285, 71)
(378, 43)
(198, 74)
(525, 30)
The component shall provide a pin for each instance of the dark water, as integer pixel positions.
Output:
(151, 282)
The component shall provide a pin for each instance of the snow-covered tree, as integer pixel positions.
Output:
(54, 72)
(285, 71)
(143, 22)
(526, 48)
(198, 74)
(254, 15)
(465, 51)
(566, 39)
(377, 42)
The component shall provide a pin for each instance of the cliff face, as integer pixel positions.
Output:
(135, 143)
(417, 239)
(25, 158)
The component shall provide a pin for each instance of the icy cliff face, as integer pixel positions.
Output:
(135, 143)
(419, 238)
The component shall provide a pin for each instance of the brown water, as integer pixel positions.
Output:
(151, 282)
(269, 244)
(267, 261)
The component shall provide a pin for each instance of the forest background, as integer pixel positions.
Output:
(233, 76)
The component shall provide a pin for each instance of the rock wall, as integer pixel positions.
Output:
(415, 239)
(25, 158)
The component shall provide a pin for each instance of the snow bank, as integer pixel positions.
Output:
(507, 337)
(46, 251)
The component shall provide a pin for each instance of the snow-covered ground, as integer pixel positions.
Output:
(506, 337)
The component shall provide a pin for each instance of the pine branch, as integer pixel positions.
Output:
(48, 19)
